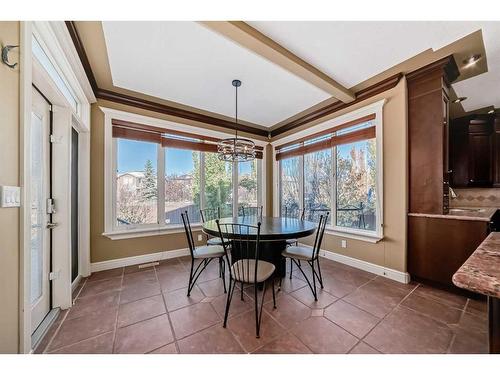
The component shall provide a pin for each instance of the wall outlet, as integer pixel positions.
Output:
(200, 237)
(344, 244)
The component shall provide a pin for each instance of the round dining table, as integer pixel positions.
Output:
(274, 231)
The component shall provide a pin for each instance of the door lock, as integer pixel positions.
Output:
(52, 225)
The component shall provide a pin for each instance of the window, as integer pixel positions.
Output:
(290, 186)
(247, 184)
(136, 183)
(58, 79)
(158, 176)
(317, 179)
(335, 169)
(356, 185)
(182, 181)
(218, 184)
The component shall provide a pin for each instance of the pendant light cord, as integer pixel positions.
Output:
(236, 125)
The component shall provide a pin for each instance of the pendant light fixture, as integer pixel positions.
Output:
(236, 149)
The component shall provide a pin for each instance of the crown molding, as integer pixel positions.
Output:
(319, 113)
(149, 105)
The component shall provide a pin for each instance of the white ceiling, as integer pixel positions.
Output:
(187, 63)
(484, 90)
(353, 51)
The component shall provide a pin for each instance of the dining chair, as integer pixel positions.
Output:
(246, 267)
(313, 214)
(251, 211)
(294, 214)
(205, 254)
(208, 214)
(309, 255)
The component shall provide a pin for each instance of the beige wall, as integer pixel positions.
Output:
(9, 175)
(391, 251)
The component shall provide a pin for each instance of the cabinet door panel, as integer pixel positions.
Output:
(480, 148)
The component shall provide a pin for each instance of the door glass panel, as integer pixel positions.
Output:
(182, 177)
(74, 204)
(37, 207)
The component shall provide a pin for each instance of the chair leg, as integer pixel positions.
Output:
(190, 277)
(314, 282)
(313, 288)
(258, 312)
(228, 300)
(274, 295)
(319, 271)
(222, 266)
(291, 267)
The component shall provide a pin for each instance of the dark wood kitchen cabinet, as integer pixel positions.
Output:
(437, 247)
(474, 159)
(428, 133)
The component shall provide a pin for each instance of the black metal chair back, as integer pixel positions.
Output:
(251, 211)
(208, 214)
(319, 235)
(245, 246)
(189, 233)
(294, 213)
(313, 214)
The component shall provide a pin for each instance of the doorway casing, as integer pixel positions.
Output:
(57, 44)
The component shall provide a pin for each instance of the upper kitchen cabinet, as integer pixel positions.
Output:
(474, 159)
(428, 124)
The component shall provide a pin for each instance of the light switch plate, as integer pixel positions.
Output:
(344, 244)
(10, 196)
(200, 238)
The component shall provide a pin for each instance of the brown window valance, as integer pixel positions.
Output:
(168, 137)
(327, 138)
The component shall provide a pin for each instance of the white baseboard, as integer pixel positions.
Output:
(402, 277)
(139, 259)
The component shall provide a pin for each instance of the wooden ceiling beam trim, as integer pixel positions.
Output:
(253, 40)
(361, 95)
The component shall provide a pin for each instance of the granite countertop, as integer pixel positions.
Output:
(481, 272)
(464, 213)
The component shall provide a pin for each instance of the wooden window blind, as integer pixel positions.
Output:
(328, 138)
(168, 137)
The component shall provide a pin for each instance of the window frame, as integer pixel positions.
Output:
(354, 233)
(111, 229)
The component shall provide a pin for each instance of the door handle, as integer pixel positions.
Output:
(52, 225)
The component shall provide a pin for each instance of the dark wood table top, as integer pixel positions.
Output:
(271, 229)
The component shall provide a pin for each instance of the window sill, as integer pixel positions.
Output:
(147, 232)
(354, 234)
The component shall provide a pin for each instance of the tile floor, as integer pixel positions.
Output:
(133, 310)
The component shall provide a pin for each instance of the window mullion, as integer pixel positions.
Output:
(333, 198)
(202, 181)
(301, 182)
(161, 185)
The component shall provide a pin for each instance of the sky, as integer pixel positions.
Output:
(132, 155)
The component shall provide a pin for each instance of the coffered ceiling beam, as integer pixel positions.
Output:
(255, 41)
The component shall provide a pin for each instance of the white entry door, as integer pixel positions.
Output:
(40, 212)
